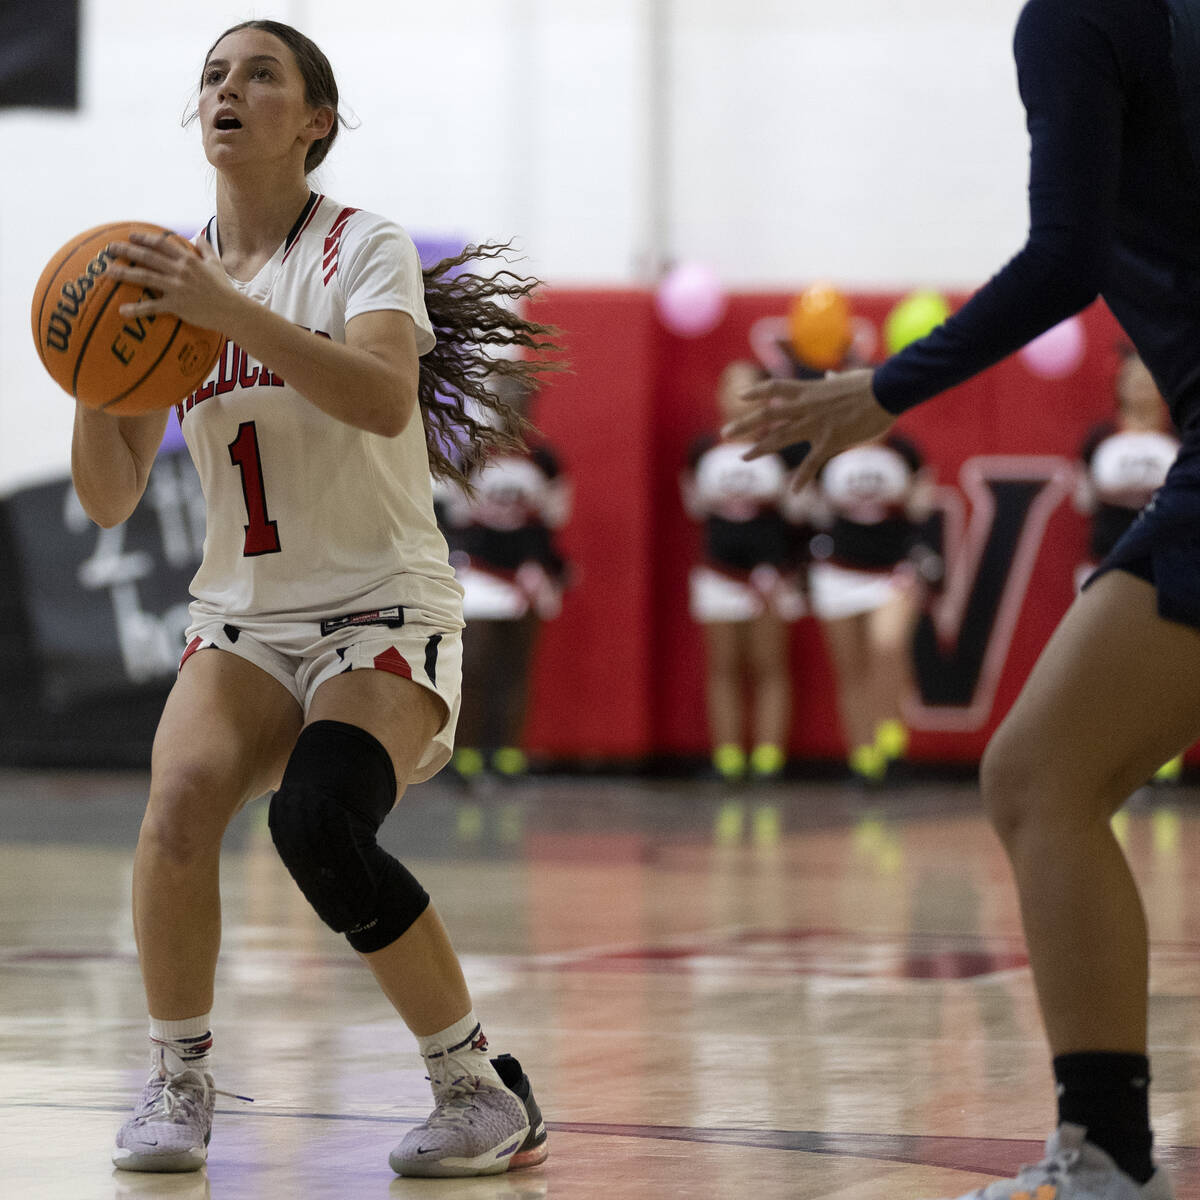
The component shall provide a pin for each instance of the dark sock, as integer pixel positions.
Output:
(1109, 1095)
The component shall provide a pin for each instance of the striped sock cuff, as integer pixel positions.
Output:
(188, 1050)
(189, 1041)
(466, 1034)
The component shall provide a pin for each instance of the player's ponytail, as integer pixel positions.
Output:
(478, 328)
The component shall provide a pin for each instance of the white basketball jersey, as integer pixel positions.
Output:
(309, 517)
(511, 492)
(866, 484)
(1128, 466)
(728, 486)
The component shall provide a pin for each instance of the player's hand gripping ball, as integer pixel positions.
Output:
(123, 365)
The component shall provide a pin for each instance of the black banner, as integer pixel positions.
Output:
(93, 619)
(39, 53)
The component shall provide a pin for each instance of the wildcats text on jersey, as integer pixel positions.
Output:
(234, 369)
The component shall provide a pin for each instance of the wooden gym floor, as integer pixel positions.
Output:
(804, 992)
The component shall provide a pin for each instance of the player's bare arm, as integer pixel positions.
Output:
(111, 459)
(831, 414)
(369, 382)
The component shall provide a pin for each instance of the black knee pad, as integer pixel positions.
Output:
(338, 787)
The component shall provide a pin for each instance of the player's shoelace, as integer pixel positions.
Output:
(173, 1098)
(1049, 1170)
(454, 1092)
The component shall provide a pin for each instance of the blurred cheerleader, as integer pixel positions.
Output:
(746, 592)
(1124, 462)
(502, 548)
(865, 588)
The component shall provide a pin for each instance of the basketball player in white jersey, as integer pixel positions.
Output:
(323, 657)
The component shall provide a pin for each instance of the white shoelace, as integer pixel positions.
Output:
(175, 1097)
(454, 1089)
(1049, 1168)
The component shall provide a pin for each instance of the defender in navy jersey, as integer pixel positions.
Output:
(747, 590)
(1111, 90)
(324, 654)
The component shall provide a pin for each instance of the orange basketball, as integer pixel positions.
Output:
(123, 365)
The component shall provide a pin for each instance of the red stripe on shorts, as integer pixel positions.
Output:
(395, 662)
(192, 647)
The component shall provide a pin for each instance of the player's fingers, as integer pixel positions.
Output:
(150, 279)
(142, 308)
(748, 425)
(162, 243)
(769, 389)
(781, 434)
(806, 472)
(139, 255)
(759, 420)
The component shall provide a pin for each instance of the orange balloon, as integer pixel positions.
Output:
(819, 324)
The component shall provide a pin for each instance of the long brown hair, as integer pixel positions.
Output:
(474, 316)
(481, 337)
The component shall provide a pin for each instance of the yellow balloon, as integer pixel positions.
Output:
(819, 325)
(912, 318)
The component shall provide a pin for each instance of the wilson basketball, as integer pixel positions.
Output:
(123, 365)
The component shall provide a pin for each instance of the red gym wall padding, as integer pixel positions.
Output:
(619, 675)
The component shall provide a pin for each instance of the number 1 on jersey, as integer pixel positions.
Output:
(262, 536)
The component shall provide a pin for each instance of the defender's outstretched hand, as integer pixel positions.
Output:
(830, 414)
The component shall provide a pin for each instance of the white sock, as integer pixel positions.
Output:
(182, 1045)
(466, 1042)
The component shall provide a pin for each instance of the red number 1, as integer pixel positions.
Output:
(262, 536)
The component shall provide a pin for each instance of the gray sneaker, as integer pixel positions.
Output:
(1074, 1169)
(170, 1126)
(475, 1128)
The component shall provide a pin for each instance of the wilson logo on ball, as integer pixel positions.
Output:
(58, 335)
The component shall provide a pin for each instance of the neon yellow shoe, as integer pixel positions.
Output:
(767, 761)
(868, 764)
(891, 739)
(510, 762)
(729, 761)
(467, 763)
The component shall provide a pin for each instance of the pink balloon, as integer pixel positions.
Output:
(1058, 352)
(690, 300)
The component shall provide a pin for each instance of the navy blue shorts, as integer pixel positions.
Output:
(1163, 545)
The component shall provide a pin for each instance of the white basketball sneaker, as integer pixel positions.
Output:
(170, 1126)
(1074, 1169)
(475, 1128)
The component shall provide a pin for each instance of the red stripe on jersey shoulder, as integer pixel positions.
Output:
(307, 222)
(339, 223)
(333, 242)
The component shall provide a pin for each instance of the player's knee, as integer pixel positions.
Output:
(190, 806)
(338, 788)
(1008, 784)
